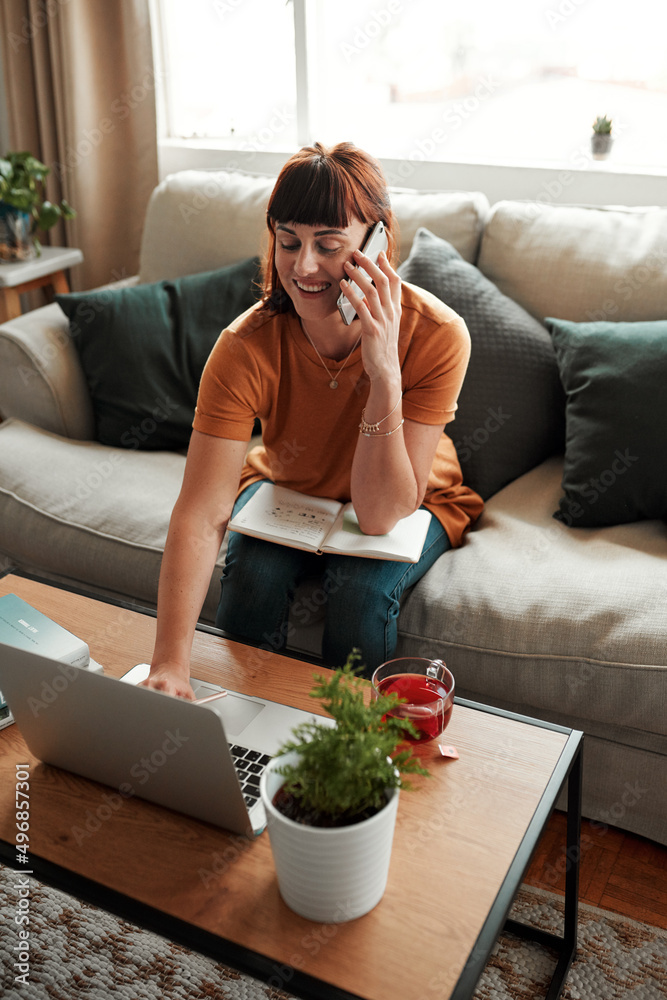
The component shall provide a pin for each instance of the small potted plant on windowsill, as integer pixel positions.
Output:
(331, 798)
(601, 140)
(24, 207)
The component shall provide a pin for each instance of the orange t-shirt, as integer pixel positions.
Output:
(264, 366)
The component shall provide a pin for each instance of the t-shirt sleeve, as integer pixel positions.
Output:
(434, 370)
(229, 391)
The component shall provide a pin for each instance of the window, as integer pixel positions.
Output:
(518, 82)
(229, 71)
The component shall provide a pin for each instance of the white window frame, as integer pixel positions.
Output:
(600, 183)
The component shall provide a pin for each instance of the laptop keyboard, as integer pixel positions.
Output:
(249, 765)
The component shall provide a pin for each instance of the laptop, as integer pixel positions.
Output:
(204, 760)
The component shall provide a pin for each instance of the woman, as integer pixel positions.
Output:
(349, 412)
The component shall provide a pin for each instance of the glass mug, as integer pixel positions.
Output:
(427, 687)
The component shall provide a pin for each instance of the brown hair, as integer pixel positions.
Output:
(330, 187)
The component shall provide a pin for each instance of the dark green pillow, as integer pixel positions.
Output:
(143, 350)
(510, 409)
(614, 376)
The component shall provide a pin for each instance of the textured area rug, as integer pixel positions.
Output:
(617, 958)
(76, 950)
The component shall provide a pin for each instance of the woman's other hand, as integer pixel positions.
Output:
(171, 679)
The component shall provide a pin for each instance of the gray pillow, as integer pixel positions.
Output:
(511, 407)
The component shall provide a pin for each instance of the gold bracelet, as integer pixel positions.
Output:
(381, 434)
(368, 429)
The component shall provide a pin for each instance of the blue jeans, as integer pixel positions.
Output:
(362, 596)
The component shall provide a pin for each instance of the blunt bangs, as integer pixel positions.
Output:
(314, 195)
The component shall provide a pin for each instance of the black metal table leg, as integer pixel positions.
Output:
(565, 945)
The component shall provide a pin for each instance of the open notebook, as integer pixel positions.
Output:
(317, 524)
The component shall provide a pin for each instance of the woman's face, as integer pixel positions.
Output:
(309, 261)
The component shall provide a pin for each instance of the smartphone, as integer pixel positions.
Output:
(377, 242)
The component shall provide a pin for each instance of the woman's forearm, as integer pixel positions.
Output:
(384, 485)
(197, 527)
(187, 565)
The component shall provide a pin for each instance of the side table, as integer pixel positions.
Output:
(24, 276)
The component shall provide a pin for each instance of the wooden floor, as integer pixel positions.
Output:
(619, 871)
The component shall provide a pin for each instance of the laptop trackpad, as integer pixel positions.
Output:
(236, 710)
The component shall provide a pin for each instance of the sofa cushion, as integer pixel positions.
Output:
(102, 522)
(456, 216)
(614, 376)
(143, 350)
(531, 613)
(202, 219)
(510, 410)
(581, 264)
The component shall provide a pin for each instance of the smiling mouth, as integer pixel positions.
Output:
(312, 289)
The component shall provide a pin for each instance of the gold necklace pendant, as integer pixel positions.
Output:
(333, 384)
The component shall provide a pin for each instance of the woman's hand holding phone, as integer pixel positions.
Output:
(376, 300)
(373, 246)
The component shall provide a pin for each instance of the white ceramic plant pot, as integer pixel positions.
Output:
(328, 875)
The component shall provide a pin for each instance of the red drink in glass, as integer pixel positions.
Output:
(427, 703)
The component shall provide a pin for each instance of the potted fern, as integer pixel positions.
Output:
(331, 798)
(601, 139)
(24, 207)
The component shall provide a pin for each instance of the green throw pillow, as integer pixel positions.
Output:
(614, 376)
(143, 350)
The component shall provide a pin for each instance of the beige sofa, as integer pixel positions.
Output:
(532, 614)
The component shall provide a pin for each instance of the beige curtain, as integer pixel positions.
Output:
(80, 90)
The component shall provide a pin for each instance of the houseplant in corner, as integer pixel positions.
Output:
(24, 207)
(601, 139)
(331, 798)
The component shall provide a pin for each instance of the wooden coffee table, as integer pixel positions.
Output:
(463, 840)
